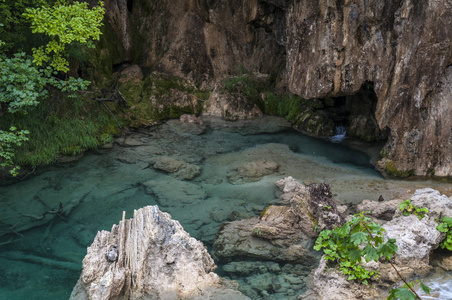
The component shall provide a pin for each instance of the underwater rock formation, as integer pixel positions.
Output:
(176, 168)
(150, 257)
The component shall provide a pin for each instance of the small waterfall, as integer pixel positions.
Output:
(339, 134)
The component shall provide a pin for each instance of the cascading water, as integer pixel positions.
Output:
(339, 134)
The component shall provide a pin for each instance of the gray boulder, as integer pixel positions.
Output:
(415, 239)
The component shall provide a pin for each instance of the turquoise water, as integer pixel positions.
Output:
(41, 253)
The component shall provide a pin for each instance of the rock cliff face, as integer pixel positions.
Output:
(401, 49)
(149, 257)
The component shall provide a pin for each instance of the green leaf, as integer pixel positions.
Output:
(425, 288)
(343, 230)
(442, 227)
(388, 249)
(358, 238)
(355, 255)
(370, 253)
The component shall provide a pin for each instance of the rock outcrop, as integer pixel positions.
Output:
(281, 233)
(150, 257)
(416, 239)
(230, 107)
(400, 51)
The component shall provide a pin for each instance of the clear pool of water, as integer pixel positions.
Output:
(41, 251)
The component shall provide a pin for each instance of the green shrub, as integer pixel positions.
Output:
(407, 208)
(446, 226)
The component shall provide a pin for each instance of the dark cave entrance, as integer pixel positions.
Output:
(357, 113)
(354, 113)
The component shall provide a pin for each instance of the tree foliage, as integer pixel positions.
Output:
(64, 24)
(23, 81)
(8, 140)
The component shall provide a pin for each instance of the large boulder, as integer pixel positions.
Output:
(379, 211)
(281, 233)
(149, 257)
(437, 204)
(415, 239)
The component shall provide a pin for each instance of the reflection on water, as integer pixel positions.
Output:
(41, 252)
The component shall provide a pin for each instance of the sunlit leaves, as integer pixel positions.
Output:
(64, 24)
(407, 208)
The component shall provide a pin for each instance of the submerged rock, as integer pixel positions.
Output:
(156, 259)
(251, 172)
(170, 191)
(176, 168)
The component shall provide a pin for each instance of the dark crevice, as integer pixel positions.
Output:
(129, 5)
(121, 66)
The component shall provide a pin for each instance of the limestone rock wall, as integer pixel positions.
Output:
(403, 47)
(315, 49)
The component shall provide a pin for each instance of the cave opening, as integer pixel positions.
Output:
(354, 113)
(360, 109)
(129, 5)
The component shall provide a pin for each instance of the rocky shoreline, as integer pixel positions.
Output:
(156, 257)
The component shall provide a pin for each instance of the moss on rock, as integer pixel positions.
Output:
(392, 170)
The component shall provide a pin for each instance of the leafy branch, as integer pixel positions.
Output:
(357, 239)
(64, 24)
